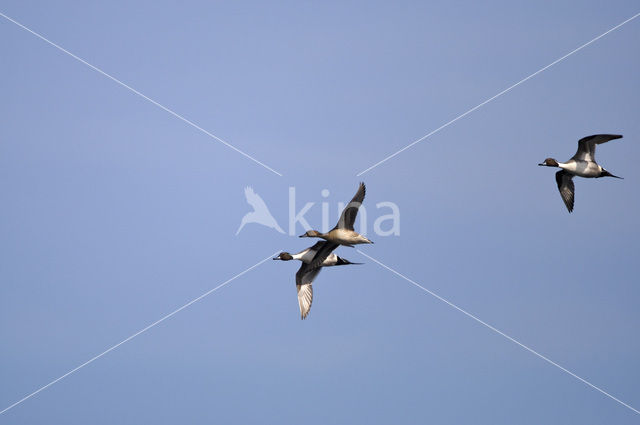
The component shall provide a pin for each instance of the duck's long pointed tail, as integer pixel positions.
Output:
(343, 262)
(605, 173)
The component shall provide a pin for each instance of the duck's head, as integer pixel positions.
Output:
(550, 162)
(311, 234)
(284, 256)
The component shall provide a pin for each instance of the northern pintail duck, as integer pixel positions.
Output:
(582, 164)
(343, 233)
(306, 275)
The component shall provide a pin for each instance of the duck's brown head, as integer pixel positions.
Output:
(284, 256)
(311, 234)
(550, 162)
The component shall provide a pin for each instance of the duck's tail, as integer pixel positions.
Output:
(605, 173)
(342, 262)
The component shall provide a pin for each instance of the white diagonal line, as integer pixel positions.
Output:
(175, 114)
(136, 334)
(499, 332)
(498, 95)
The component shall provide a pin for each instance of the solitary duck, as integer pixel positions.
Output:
(582, 164)
(343, 233)
(306, 275)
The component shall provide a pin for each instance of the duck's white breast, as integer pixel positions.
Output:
(582, 168)
(307, 256)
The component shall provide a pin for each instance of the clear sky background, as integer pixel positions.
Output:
(114, 213)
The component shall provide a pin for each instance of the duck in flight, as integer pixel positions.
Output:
(306, 275)
(343, 233)
(582, 164)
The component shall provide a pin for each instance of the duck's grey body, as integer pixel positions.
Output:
(343, 233)
(587, 169)
(582, 164)
(345, 237)
(306, 274)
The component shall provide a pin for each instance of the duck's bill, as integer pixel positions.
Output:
(303, 236)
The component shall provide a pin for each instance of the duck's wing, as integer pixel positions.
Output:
(305, 298)
(316, 247)
(566, 188)
(587, 146)
(348, 216)
(322, 254)
(304, 280)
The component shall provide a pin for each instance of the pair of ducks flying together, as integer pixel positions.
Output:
(321, 254)
(582, 164)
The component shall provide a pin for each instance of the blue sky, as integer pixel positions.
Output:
(116, 213)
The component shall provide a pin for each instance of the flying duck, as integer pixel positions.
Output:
(582, 164)
(306, 275)
(343, 233)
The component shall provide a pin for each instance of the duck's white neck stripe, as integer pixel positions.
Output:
(299, 255)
